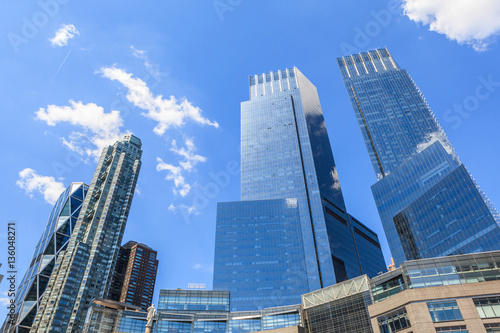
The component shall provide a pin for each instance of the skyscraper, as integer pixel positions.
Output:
(85, 270)
(429, 204)
(51, 245)
(135, 275)
(291, 234)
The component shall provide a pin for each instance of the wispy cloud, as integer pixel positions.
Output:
(65, 33)
(202, 267)
(99, 129)
(31, 183)
(166, 112)
(190, 158)
(188, 209)
(141, 54)
(475, 23)
(175, 173)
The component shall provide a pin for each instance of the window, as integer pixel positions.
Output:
(492, 328)
(444, 311)
(453, 329)
(394, 321)
(488, 307)
(339, 268)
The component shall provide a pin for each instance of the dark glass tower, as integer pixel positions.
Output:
(85, 270)
(291, 234)
(429, 204)
(50, 247)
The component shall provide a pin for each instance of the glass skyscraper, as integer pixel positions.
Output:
(85, 270)
(291, 234)
(51, 245)
(429, 204)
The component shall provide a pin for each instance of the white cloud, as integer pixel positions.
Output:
(166, 112)
(475, 23)
(65, 33)
(138, 189)
(141, 54)
(100, 129)
(191, 159)
(188, 209)
(32, 182)
(4, 301)
(202, 267)
(175, 173)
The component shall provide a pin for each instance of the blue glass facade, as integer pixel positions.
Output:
(190, 311)
(51, 245)
(192, 301)
(368, 248)
(414, 163)
(469, 226)
(266, 234)
(286, 155)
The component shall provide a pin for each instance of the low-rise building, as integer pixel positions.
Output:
(450, 294)
(190, 311)
(455, 294)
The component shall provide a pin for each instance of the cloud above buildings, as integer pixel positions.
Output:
(176, 173)
(475, 23)
(63, 35)
(188, 209)
(141, 54)
(97, 129)
(31, 182)
(167, 112)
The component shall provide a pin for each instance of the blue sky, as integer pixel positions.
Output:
(175, 72)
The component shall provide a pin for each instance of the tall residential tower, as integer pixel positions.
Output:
(429, 204)
(85, 270)
(291, 234)
(135, 275)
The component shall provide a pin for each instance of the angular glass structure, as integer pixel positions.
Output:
(51, 245)
(85, 270)
(286, 158)
(428, 202)
(340, 308)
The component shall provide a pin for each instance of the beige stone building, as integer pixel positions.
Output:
(451, 294)
(454, 294)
